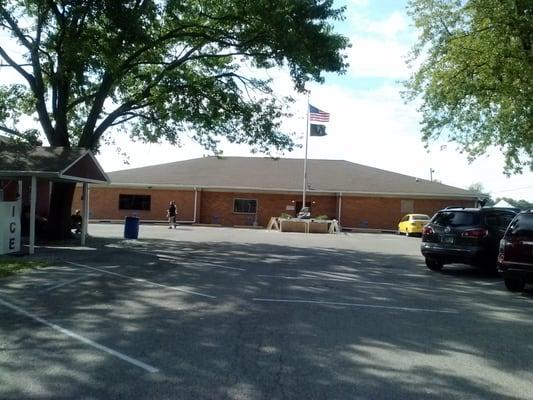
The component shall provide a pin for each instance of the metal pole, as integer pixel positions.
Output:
(85, 216)
(340, 208)
(33, 201)
(305, 159)
(195, 205)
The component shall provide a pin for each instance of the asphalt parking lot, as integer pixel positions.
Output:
(216, 313)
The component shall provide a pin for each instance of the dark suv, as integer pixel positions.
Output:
(515, 260)
(465, 235)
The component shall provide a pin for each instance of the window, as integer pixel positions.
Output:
(456, 218)
(407, 206)
(505, 219)
(499, 220)
(492, 220)
(245, 206)
(134, 202)
(522, 225)
(419, 217)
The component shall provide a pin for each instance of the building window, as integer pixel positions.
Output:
(407, 206)
(244, 206)
(134, 202)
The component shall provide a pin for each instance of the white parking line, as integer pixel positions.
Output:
(334, 303)
(319, 278)
(83, 339)
(79, 278)
(143, 280)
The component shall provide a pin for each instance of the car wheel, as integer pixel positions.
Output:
(514, 284)
(434, 265)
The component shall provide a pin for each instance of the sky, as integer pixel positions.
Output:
(370, 124)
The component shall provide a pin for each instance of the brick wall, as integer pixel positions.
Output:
(385, 212)
(10, 189)
(104, 203)
(217, 207)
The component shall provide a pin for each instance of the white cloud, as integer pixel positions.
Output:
(378, 57)
(380, 46)
(393, 25)
(358, 3)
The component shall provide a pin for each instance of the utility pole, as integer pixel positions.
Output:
(431, 170)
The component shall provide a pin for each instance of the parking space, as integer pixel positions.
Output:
(250, 314)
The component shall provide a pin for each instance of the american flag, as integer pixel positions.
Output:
(316, 115)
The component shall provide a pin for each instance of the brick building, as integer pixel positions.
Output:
(246, 191)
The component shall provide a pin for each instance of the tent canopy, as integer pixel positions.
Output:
(503, 203)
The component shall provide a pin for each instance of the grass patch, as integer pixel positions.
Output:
(11, 266)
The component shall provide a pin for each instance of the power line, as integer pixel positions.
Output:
(511, 190)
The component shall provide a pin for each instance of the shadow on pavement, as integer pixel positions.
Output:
(233, 347)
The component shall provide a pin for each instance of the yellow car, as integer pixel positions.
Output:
(412, 223)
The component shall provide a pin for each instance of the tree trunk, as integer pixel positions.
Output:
(59, 218)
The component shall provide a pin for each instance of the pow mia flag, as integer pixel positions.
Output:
(317, 130)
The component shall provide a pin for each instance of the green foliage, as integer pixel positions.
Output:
(489, 201)
(477, 187)
(476, 75)
(483, 195)
(162, 68)
(10, 266)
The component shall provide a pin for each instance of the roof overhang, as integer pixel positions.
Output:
(85, 169)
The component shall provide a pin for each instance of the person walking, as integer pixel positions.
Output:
(171, 214)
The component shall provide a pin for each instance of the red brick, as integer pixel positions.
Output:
(217, 207)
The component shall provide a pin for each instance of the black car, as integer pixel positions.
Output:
(515, 260)
(465, 235)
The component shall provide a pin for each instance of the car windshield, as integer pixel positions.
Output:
(419, 217)
(456, 218)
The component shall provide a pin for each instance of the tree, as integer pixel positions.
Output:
(476, 187)
(483, 196)
(475, 79)
(521, 204)
(159, 68)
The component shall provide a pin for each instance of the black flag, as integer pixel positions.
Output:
(317, 130)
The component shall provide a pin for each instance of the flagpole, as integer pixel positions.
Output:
(305, 159)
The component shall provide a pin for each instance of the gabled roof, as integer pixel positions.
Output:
(54, 163)
(285, 174)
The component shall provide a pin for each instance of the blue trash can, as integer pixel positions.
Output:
(131, 228)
